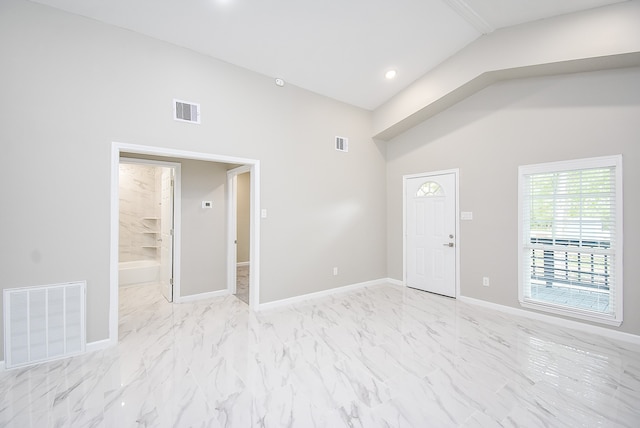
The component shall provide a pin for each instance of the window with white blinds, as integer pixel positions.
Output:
(570, 238)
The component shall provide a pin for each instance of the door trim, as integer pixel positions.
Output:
(118, 148)
(456, 174)
(177, 213)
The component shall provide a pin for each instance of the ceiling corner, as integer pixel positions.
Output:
(462, 8)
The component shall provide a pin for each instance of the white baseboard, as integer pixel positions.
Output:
(318, 294)
(194, 297)
(240, 264)
(395, 282)
(576, 325)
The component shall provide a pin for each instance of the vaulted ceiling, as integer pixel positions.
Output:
(337, 48)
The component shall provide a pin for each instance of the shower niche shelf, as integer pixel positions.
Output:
(150, 225)
(150, 240)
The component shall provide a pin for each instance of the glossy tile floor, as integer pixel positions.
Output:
(382, 356)
(242, 283)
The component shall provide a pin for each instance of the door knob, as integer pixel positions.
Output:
(450, 244)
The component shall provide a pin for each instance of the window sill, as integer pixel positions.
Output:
(583, 315)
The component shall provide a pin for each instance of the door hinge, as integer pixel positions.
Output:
(170, 281)
(171, 232)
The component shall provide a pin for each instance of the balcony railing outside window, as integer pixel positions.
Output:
(571, 267)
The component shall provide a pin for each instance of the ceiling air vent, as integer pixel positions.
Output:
(342, 144)
(185, 111)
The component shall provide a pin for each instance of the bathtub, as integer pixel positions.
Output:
(138, 272)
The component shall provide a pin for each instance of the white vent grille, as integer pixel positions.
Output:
(43, 323)
(185, 111)
(342, 144)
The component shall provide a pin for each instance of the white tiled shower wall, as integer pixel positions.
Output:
(139, 207)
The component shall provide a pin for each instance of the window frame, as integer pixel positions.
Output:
(615, 161)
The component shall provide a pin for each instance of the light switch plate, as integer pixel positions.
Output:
(466, 215)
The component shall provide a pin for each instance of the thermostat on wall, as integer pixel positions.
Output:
(207, 204)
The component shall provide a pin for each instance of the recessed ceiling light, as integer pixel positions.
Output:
(390, 74)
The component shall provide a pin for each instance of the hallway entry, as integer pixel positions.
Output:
(202, 246)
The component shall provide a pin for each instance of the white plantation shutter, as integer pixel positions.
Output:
(570, 238)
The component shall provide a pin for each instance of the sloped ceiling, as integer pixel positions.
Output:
(337, 48)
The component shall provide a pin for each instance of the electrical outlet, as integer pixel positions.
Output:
(485, 281)
(335, 271)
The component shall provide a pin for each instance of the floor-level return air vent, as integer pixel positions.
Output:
(185, 111)
(43, 323)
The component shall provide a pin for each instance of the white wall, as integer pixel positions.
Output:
(204, 230)
(516, 123)
(71, 86)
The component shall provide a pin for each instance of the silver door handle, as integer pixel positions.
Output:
(450, 244)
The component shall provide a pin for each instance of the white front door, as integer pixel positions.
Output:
(431, 233)
(166, 233)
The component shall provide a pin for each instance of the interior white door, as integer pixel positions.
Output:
(166, 233)
(430, 233)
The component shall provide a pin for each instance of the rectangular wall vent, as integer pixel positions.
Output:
(43, 323)
(185, 111)
(342, 144)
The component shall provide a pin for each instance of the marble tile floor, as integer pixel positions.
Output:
(381, 356)
(242, 283)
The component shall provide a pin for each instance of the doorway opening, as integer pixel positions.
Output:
(148, 193)
(239, 185)
(252, 166)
